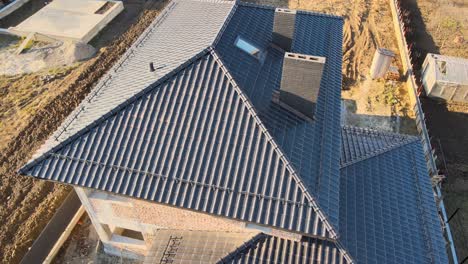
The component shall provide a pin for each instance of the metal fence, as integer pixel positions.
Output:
(421, 125)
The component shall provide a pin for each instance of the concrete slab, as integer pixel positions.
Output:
(68, 20)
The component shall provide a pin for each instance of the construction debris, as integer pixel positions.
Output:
(26, 43)
(74, 52)
(393, 73)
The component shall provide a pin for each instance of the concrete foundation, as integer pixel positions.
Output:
(75, 21)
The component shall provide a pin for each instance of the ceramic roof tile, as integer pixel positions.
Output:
(362, 143)
(192, 141)
(202, 134)
(265, 249)
(309, 145)
(387, 209)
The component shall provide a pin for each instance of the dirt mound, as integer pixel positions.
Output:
(74, 52)
(43, 56)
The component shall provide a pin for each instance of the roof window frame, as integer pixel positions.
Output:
(247, 47)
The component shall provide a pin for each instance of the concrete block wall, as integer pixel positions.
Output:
(300, 81)
(163, 216)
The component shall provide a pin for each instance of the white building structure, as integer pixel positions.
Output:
(445, 77)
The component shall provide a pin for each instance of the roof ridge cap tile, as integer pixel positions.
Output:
(381, 151)
(128, 101)
(299, 11)
(315, 13)
(371, 131)
(225, 24)
(283, 157)
(263, 6)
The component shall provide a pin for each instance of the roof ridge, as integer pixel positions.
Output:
(372, 131)
(307, 12)
(263, 6)
(271, 140)
(381, 151)
(225, 24)
(299, 11)
(114, 111)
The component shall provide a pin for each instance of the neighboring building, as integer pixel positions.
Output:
(445, 77)
(216, 153)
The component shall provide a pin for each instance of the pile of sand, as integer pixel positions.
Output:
(43, 56)
(73, 52)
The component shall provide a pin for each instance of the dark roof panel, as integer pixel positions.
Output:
(387, 209)
(362, 143)
(181, 31)
(206, 136)
(270, 249)
(192, 141)
(309, 145)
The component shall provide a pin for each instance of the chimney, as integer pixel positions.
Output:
(283, 28)
(300, 83)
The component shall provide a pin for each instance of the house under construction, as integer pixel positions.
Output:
(216, 139)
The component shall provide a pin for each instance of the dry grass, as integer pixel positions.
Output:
(22, 95)
(447, 22)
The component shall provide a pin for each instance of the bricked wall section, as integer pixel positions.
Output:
(164, 216)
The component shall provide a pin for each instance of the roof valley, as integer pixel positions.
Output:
(379, 152)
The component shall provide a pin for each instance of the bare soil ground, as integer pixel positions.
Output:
(33, 106)
(447, 25)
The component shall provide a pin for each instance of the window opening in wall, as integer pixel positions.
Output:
(132, 234)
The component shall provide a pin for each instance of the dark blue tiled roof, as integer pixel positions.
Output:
(387, 209)
(358, 144)
(309, 145)
(265, 249)
(206, 136)
(192, 141)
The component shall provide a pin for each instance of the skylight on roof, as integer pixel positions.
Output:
(247, 47)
